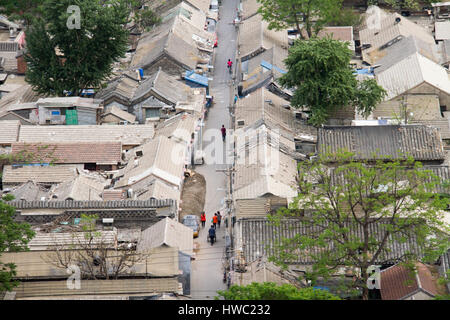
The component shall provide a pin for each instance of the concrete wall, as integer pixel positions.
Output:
(87, 116)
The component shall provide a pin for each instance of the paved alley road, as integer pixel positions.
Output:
(207, 272)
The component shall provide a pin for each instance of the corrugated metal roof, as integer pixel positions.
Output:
(81, 188)
(179, 127)
(47, 241)
(9, 131)
(250, 8)
(270, 108)
(255, 37)
(39, 174)
(255, 175)
(386, 58)
(421, 142)
(158, 189)
(127, 135)
(259, 237)
(167, 232)
(390, 30)
(162, 157)
(69, 102)
(202, 5)
(411, 72)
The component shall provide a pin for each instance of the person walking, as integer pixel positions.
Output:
(214, 221)
(203, 219)
(235, 98)
(212, 234)
(224, 132)
(219, 218)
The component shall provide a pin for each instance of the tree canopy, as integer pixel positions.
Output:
(408, 4)
(307, 15)
(272, 291)
(24, 10)
(319, 71)
(14, 237)
(360, 211)
(64, 57)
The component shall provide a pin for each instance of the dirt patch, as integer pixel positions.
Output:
(193, 195)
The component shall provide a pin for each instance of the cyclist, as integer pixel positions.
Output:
(229, 64)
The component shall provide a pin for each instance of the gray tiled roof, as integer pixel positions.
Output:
(259, 237)
(131, 92)
(421, 142)
(151, 203)
(403, 49)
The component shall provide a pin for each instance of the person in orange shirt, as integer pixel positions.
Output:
(203, 219)
(214, 220)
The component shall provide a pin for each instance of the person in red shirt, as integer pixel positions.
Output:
(214, 221)
(224, 132)
(203, 219)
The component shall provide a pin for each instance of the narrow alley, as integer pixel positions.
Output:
(207, 269)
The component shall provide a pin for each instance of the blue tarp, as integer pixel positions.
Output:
(196, 78)
(269, 66)
(364, 71)
(321, 288)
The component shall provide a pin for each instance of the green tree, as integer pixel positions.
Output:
(319, 70)
(388, 201)
(272, 291)
(14, 237)
(24, 10)
(305, 15)
(405, 4)
(144, 17)
(345, 17)
(62, 56)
